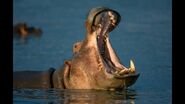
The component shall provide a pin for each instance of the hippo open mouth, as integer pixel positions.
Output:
(103, 23)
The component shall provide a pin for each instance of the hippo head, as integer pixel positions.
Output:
(95, 64)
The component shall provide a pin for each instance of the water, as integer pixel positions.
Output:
(144, 35)
(73, 96)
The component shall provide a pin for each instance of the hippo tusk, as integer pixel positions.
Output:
(132, 66)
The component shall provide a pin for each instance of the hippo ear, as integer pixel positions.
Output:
(77, 47)
(67, 62)
(67, 66)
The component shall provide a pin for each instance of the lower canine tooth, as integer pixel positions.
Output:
(132, 66)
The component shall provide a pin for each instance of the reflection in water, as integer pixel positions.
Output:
(23, 32)
(56, 96)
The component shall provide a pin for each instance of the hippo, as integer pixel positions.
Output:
(22, 30)
(94, 64)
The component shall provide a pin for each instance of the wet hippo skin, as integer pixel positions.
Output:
(94, 64)
(33, 79)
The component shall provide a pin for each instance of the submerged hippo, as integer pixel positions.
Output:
(94, 65)
(23, 31)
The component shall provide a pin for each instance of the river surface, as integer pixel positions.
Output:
(144, 35)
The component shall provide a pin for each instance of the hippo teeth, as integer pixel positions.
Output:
(105, 38)
(132, 66)
(125, 70)
(112, 18)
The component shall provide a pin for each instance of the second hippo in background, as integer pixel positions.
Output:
(22, 31)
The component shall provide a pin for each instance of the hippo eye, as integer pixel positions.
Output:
(75, 46)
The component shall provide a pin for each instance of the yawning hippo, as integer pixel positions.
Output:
(94, 65)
